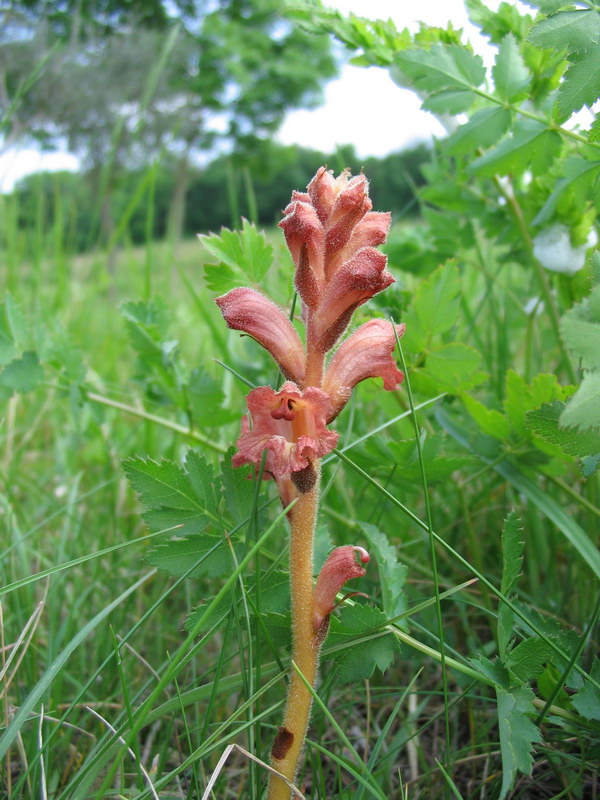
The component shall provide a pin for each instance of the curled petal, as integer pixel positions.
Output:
(355, 282)
(251, 312)
(350, 207)
(324, 189)
(341, 566)
(367, 353)
(371, 231)
(289, 425)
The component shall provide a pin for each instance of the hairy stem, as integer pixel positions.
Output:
(305, 645)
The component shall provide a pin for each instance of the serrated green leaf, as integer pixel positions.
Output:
(494, 670)
(511, 76)
(489, 420)
(484, 129)
(448, 101)
(521, 397)
(512, 561)
(581, 83)
(578, 173)
(512, 552)
(177, 556)
(580, 329)
(162, 483)
(238, 488)
(241, 256)
(527, 659)
(568, 30)
(583, 409)
(442, 68)
(454, 367)
(357, 662)
(392, 574)
(544, 422)
(202, 479)
(434, 307)
(13, 329)
(547, 6)
(532, 144)
(206, 398)
(594, 131)
(587, 700)
(517, 733)
(23, 374)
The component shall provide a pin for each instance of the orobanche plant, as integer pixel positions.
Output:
(332, 235)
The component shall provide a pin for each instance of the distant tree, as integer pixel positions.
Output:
(123, 94)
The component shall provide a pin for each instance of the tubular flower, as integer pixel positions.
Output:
(341, 566)
(251, 312)
(366, 353)
(332, 233)
(289, 425)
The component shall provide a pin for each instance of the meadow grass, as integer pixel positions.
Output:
(104, 694)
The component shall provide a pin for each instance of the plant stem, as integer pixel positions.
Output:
(305, 644)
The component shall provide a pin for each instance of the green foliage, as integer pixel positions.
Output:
(175, 496)
(510, 73)
(392, 574)
(371, 649)
(517, 734)
(243, 257)
(512, 560)
(587, 699)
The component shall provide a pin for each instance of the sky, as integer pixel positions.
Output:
(363, 107)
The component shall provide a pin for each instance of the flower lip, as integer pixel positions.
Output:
(290, 425)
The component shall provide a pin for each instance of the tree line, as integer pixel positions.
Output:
(254, 185)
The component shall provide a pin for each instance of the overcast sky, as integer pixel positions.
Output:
(362, 107)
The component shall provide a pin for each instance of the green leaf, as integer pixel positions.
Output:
(357, 662)
(206, 398)
(579, 174)
(521, 397)
(512, 561)
(238, 488)
(449, 101)
(443, 68)
(528, 658)
(22, 374)
(531, 145)
(494, 670)
(484, 129)
(490, 421)
(590, 464)
(242, 257)
(512, 552)
(511, 76)
(547, 6)
(581, 84)
(587, 700)
(13, 329)
(583, 409)
(454, 367)
(434, 307)
(177, 556)
(392, 574)
(594, 131)
(162, 484)
(517, 733)
(544, 422)
(568, 30)
(547, 505)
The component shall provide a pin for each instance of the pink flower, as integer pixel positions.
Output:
(251, 312)
(289, 425)
(332, 233)
(366, 353)
(341, 566)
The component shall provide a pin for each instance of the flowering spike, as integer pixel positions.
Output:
(341, 566)
(367, 353)
(251, 312)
